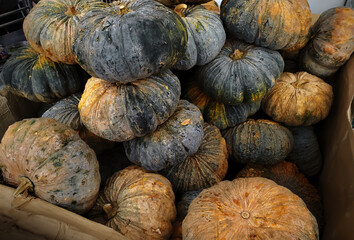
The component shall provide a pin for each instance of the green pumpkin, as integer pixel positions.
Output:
(35, 77)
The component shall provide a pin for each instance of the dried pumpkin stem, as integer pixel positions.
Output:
(236, 55)
(24, 186)
(71, 11)
(110, 210)
(180, 9)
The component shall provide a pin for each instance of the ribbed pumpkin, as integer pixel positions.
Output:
(121, 112)
(50, 159)
(205, 168)
(172, 142)
(299, 99)
(249, 208)
(259, 141)
(51, 25)
(274, 24)
(130, 40)
(138, 204)
(240, 73)
(206, 35)
(33, 76)
(331, 44)
(306, 152)
(217, 113)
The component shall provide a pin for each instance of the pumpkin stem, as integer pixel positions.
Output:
(236, 55)
(110, 210)
(71, 11)
(245, 215)
(180, 9)
(24, 186)
(122, 8)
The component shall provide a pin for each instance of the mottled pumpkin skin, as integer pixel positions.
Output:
(206, 36)
(138, 204)
(172, 142)
(246, 77)
(62, 168)
(299, 99)
(51, 25)
(306, 152)
(123, 45)
(249, 208)
(121, 112)
(171, 3)
(33, 76)
(274, 24)
(205, 168)
(219, 114)
(258, 141)
(331, 44)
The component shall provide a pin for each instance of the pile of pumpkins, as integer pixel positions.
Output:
(166, 90)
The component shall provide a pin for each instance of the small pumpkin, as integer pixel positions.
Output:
(31, 75)
(121, 112)
(259, 141)
(172, 142)
(331, 44)
(249, 208)
(130, 40)
(299, 99)
(203, 169)
(240, 73)
(281, 24)
(138, 204)
(51, 25)
(206, 35)
(50, 159)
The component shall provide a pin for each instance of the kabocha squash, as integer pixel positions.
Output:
(172, 142)
(306, 152)
(33, 76)
(206, 35)
(121, 112)
(138, 204)
(331, 44)
(274, 24)
(240, 73)
(217, 113)
(130, 40)
(299, 99)
(50, 159)
(203, 169)
(259, 141)
(249, 208)
(51, 25)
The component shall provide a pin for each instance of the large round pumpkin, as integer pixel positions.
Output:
(203, 169)
(274, 24)
(249, 208)
(138, 204)
(50, 159)
(121, 112)
(51, 25)
(206, 35)
(130, 40)
(31, 75)
(299, 99)
(331, 44)
(172, 142)
(259, 141)
(240, 73)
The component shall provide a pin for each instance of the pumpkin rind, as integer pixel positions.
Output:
(141, 204)
(249, 208)
(172, 142)
(205, 168)
(33, 76)
(274, 24)
(176, 2)
(130, 40)
(258, 141)
(62, 168)
(51, 25)
(121, 112)
(299, 99)
(331, 44)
